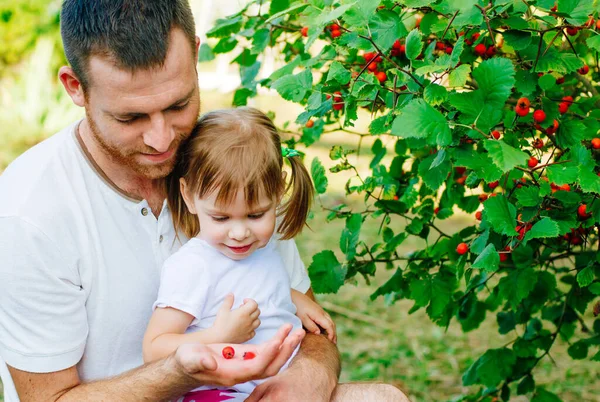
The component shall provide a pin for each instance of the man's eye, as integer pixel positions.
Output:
(126, 121)
(219, 218)
(180, 107)
(256, 216)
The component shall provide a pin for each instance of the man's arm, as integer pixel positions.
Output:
(311, 376)
(191, 366)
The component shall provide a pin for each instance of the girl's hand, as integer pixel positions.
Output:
(313, 316)
(239, 325)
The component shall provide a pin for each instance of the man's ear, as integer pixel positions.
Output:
(72, 85)
(187, 197)
(197, 44)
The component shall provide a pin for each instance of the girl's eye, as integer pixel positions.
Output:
(256, 216)
(219, 218)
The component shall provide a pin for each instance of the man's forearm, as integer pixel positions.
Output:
(157, 381)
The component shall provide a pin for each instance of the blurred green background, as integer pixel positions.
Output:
(378, 342)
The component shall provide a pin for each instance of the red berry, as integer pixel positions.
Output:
(436, 210)
(228, 352)
(598, 24)
(581, 212)
(483, 197)
(490, 51)
(304, 31)
(475, 36)
(396, 198)
(539, 116)
(334, 27)
(249, 355)
(449, 49)
(496, 134)
(396, 44)
(554, 8)
(378, 59)
(310, 124)
(584, 70)
(461, 180)
(440, 46)
(563, 107)
(478, 215)
(381, 77)
(596, 143)
(552, 129)
(560, 80)
(523, 103)
(372, 67)
(460, 170)
(538, 143)
(568, 100)
(572, 31)
(480, 49)
(462, 248)
(503, 257)
(335, 33)
(522, 111)
(402, 49)
(589, 22)
(532, 162)
(493, 184)
(565, 187)
(368, 56)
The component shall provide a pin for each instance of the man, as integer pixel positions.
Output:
(85, 228)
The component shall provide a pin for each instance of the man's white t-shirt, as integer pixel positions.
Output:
(198, 277)
(80, 265)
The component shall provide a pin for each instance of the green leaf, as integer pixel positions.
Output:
(528, 196)
(501, 215)
(517, 285)
(224, 27)
(205, 53)
(526, 385)
(458, 76)
(488, 260)
(433, 177)
(420, 120)
(570, 133)
(414, 44)
(518, 40)
(326, 273)
(326, 17)
(294, 87)
(562, 174)
(595, 288)
(317, 171)
(577, 10)
(480, 242)
(495, 78)
(338, 72)
(506, 322)
(505, 156)
(594, 42)
(588, 180)
(547, 81)
(360, 14)
(296, 8)
(386, 27)
(578, 350)
(435, 94)
(541, 395)
(490, 369)
(350, 235)
(586, 276)
(543, 228)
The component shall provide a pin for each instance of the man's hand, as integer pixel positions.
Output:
(206, 364)
(310, 377)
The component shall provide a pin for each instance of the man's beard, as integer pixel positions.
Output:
(126, 157)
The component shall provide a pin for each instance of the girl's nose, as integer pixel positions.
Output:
(239, 233)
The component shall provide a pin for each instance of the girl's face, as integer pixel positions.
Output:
(236, 230)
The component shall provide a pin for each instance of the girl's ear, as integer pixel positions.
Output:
(187, 197)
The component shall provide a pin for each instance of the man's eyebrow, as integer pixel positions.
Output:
(179, 101)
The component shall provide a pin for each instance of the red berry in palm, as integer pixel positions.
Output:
(480, 49)
(335, 34)
(584, 70)
(304, 31)
(310, 124)
(596, 143)
(572, 31)
(478, 215)
(563, 107)
(249, 355)
(496, 134)
(462, 248)
(228, 352)
(532, 162)
(381, 77)
(539, 116)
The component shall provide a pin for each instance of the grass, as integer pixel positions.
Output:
(377, 341)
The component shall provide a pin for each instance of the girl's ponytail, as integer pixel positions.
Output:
(295, 210)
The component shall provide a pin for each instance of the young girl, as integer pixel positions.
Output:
(228, 284)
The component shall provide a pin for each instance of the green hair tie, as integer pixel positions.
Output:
(288, 152)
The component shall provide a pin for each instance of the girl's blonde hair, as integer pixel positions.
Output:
(232, 149)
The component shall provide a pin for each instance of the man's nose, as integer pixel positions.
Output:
(160, 134)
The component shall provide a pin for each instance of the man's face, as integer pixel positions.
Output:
(138, 119)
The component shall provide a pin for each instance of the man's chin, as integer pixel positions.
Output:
(155, 171)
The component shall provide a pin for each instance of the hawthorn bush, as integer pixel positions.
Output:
(494, 110)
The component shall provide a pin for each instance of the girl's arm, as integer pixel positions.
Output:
(313, 316)
(167, 326)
